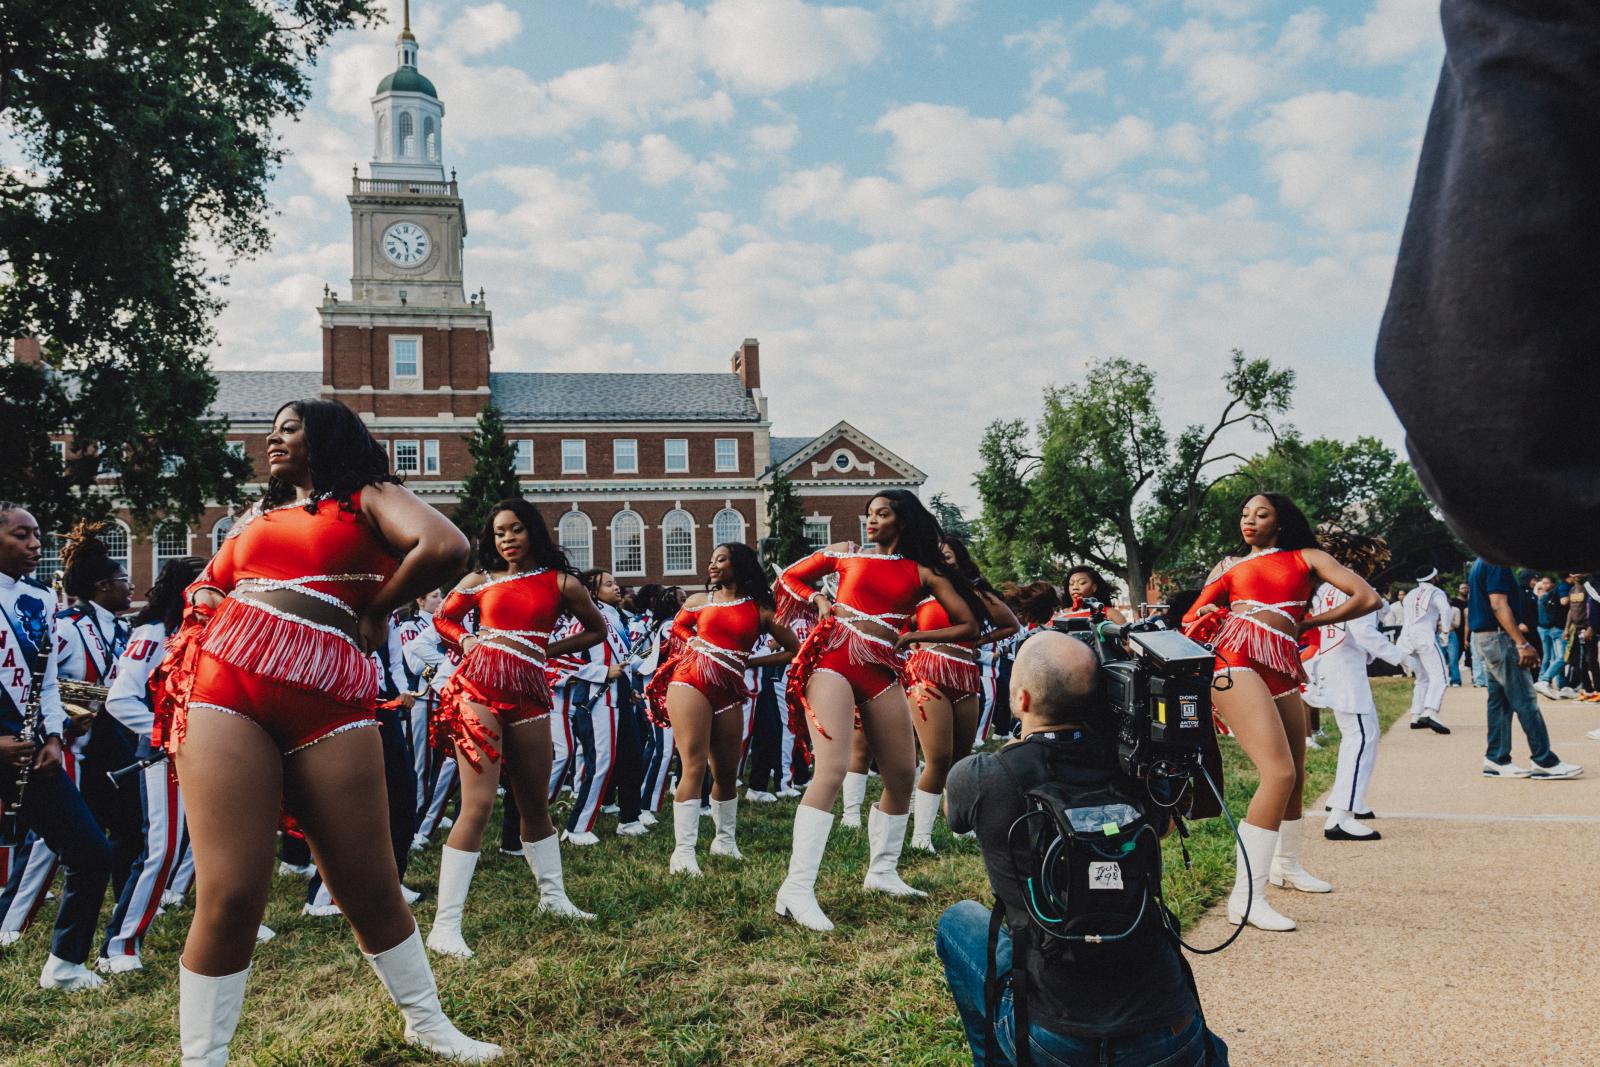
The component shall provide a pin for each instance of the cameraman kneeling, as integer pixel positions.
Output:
(1127, 1003)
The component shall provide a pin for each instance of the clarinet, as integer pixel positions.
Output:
(33, 730)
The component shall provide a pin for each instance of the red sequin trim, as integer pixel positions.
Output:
(494, 679)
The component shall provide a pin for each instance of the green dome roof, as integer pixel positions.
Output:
(407, 80)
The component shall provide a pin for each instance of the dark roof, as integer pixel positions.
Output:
(260, 393)
(406, 80)
(597, 397)
(784, 448)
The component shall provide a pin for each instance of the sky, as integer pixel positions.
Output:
(928, 211)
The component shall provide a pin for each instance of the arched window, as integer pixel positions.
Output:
(575, 535)
(728, 527)
(171, 541)
(408, 135)
(220, 531)
(382, 149)
(430, 138)
(115, 537)
(677, 542)
(627, 545)
(49, 558)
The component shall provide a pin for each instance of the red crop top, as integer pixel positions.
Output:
(520, 606)
(884, 587)
(1276, 580)
(731, 625)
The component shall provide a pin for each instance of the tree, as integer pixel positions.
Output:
(786, 525)
(493, 477)
(1109, 486)
(951, 520)
(140, 135)
(1002, 547)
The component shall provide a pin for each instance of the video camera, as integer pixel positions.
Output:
(1157, 685)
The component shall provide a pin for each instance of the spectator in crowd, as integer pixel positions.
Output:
(1492, 612)
(1456, 642)
(1551, 601)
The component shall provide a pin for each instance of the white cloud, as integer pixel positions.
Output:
(1333, 156)
(1393, 30)
(775, 138)
(663, 161)
(765, 46)
(1228, 9)
(1109, 14)
(935, 13)
(482, 29)
(935, 144)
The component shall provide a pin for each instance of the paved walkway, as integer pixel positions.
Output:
(1469, 935)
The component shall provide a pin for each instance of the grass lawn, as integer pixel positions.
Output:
(674, 970)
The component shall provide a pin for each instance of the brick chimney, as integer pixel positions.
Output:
(26, 350)
(747, 364)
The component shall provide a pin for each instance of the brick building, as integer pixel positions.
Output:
(638, 473)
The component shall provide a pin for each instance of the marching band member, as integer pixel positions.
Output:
(944, 680)
(587, 690)
(129, 704)
(1339, 676)
(849, 673)
(1252, 611)
(1425, 612)
(496, 709)
(266, 695)
(52, 808)
(703, 679)
(409, 680)
(425, 650)
(649, 651)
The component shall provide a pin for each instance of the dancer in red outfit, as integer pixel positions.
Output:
(943, 685)
(1252, 611)
(266, 695)
(1084, 583)
(704, 676)
(496, 706)
(848, 673)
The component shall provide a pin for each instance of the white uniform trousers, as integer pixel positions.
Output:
(1430, 675)
(592, 739)
(444, 784)
(1358, 755)
(988, 696)
(147, 879)
(33, 864)
(420, 749)
(183, 873)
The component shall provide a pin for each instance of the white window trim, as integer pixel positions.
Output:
(827, 526)
(666, 455)
(216, 541)
(618, 468)
(407, 441)
(716, 454)
(583, 456)
(644, 530)
(516, 462)
(126, 559)
(588, 534)
(60, 449)
(155, 547)
(666, 567)
(397, 381)
(238, 448)
(430, 450)
(743, 526)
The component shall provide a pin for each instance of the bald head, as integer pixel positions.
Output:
(1053, 679)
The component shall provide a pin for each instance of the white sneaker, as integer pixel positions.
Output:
(171, 899)
(1544, 687)
(410, 895)
(1568, 693)
(68, 977)
(446, 822)
(760, 796)
(610, 809)
(320, 910)
(118, 964)
(265, 934)
(583, 837)
(9, 937)
(289, 870)
(1560, 770)
(632, 829)
(418, 842)
(1492, 769)
(648, 818)
(1593, 735)
(789, 792)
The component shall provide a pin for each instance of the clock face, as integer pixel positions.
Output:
(406, 244)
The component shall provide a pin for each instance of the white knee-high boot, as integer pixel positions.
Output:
(686, 831)
(887, 835)
(208, 1014)
(1286, 868)
(455, 878)
(1250, 890)
(405, 973)
(797, 896)
(924, 812)
(544, 859)
(725, 817)
(855, 791)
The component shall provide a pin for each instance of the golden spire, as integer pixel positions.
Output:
(405, 33)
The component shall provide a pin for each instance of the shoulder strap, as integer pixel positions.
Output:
(992, 986)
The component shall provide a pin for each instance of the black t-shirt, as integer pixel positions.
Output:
(1097, 990)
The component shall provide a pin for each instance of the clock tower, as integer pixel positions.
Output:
(409, 342)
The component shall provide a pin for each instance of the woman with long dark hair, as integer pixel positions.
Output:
(848, 673)
(495, 710)
(704, 676)
(266, 696)
(943, 687)
(1252, 611)
(1084, 584)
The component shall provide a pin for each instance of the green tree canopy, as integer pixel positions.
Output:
(786, 525)
(140, 135)
(951, 520)
(493, 477)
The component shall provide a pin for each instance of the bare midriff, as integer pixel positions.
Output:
(303, 606)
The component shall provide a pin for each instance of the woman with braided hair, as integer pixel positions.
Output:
(849, 674)
(1338, 680)
(703, 677)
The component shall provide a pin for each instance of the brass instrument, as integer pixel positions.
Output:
(82, 701)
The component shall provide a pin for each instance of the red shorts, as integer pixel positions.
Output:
(952, 678)
(507, 684)
(721, 695)
(294, 718)
(867, 680)
(1278, 683)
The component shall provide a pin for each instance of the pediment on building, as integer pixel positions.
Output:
(842, 454)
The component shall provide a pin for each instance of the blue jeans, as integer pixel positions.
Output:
(1510, 691)
(963, 943)
(1553, 649)
(1453, 655)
